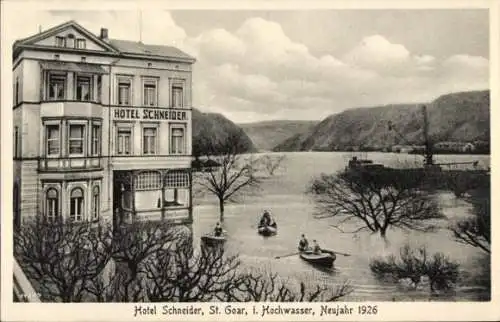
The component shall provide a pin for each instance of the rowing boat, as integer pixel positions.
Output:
(211, 240)
(325, 258)
(267, 230)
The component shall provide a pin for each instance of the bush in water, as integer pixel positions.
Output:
(414, 264)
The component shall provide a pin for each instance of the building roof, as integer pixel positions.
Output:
(113, 46)
(139, 48)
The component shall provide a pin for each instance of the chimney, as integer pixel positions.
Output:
(104, 34)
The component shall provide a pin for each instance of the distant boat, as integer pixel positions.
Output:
(325, 259)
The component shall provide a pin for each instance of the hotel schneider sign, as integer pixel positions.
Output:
(149, 114)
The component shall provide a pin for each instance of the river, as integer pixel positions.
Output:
(284, 196)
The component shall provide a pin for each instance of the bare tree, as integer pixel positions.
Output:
(211, 276)
(62, 258)
(135, 244)
(376, 203)
(272, 163)
(235, 173)
(476, 229)
(157, 264)
(262, 287)
(183, 275)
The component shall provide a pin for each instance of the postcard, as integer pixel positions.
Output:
(249, 161)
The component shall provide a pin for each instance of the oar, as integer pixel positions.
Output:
(344, 254)
(296, 253)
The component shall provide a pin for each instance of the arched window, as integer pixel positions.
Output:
(95, 203)
(76, 205)
(70, 42)
(51, 204)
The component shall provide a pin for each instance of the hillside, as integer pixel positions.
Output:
(459, 117)
(216, 127)
(266, 135)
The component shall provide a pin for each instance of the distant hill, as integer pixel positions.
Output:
(267, 134)
(459, 117)
(216, 127)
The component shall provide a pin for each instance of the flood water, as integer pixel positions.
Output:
(284, 196)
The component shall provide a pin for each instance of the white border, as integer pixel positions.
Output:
(124, 312)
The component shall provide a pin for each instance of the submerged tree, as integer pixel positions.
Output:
(272, 163)
(413, 264)
(476, 229)
(235, 172)
(375, 202)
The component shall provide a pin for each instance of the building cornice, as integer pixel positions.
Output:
(19, 48)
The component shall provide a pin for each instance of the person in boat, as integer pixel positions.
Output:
(353, 162)
(303, 244)
(265, 220)
(217, 230)
(316, 249)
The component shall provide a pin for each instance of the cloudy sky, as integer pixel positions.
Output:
(264, 65)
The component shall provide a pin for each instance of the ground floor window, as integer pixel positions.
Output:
(176, 189)
(52, 204)
(76, 205)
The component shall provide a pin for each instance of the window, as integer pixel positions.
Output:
(177, 141)
(99, 88)
(95, 203)
(60, 41)
(51, 204)
(76, 205)
(177, 179)
(76, 139)
(96, 139)
(124, 86)
(149, 180)
(80, 43)
(17, 90)
(177, 100)
(149, 92)
(83, 88)
(57, 84)
(176, 188)
(70, 41)
(53, 139)
(124, 141)
(149, 140)
(16, 141)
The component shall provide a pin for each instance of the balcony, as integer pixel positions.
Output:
(143, 162)
(70, 164)
(70, 108)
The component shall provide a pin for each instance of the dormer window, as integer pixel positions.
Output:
(80, 44)
(60, 41)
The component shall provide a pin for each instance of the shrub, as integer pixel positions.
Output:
(414, 264)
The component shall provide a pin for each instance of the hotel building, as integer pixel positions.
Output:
(102, 128)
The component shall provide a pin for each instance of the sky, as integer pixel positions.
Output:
(305, 64)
